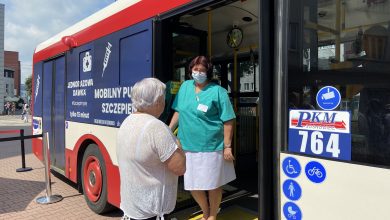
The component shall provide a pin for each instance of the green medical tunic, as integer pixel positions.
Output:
(201, 116)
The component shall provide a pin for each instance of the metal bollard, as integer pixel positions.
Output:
(23, 168)
(49, 198)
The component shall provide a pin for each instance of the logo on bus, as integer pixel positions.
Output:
(87, 62)
(106, 57)
(36, 124)
(37, 88)
(319, 120)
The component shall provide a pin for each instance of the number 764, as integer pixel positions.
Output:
(317, 143)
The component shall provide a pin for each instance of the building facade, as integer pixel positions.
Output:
(11, 62)
(9, 78)
(2, 84)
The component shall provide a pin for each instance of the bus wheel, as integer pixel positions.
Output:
(93, 179)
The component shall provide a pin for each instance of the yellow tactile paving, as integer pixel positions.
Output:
(232, 213)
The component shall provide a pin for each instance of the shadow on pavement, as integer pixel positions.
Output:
(15, 195)
(116, 212)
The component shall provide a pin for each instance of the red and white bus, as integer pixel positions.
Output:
(83, 77)
(82, 80)
(273, 57)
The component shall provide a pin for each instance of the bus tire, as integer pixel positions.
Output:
(93, 180)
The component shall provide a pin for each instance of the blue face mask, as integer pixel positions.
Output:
(199, 77)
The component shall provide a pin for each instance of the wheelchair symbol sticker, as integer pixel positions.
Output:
(315, 172)
(292, 190)
(328, 98)
(291, 167)
(291, 211)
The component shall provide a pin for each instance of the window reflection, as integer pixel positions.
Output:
(349, 34)
(370, 118)
(345, 44)
(248, 73)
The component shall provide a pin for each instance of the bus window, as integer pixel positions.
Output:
(249, 75)
(230, 77)
(353, 55)
(217, 73)
(368, 110)
(185, 47)
(187, 43)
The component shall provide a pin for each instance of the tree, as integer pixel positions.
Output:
(28, 85)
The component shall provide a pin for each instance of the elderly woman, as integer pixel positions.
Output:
(149, 156)
(205, 117)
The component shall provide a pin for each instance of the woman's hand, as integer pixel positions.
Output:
(174, 121)
(227, 140)
(227, 154)
(178, 143)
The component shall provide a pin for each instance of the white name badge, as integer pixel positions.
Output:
(202, 107)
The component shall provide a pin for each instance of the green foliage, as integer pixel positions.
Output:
(19, 103)
(246, 67)
(28, 85)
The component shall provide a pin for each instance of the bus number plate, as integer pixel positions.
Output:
(321, 133)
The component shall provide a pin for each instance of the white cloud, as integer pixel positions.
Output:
(30, 22)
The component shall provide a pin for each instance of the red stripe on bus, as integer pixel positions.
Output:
(136, 13)
(37, 148)
(9, 131)
(112, 171)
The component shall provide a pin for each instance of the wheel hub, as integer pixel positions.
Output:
(93, 178)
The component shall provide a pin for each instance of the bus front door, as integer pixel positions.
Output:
(327, 171)
(54, 109)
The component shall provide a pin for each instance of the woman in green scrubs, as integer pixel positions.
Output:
(205, 117)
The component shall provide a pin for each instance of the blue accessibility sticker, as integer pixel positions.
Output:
(291, 167)
(292, 190)
(35, 124)
(315, 172)
(291, 211)
(328, 98)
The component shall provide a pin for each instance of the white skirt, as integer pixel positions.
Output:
(207, 170)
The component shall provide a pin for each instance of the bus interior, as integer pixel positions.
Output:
(205, 31)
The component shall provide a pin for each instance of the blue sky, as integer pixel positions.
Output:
(30, 22)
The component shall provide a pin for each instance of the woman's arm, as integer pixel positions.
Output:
(174, 121)
(177, 162)
(227, 140)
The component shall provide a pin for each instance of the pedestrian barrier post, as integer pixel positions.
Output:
(21, 137)
(23, 168)
(49, 198)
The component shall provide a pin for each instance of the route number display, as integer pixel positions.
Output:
(321, 133)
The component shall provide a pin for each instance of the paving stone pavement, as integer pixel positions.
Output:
(18, 191)
(13, 120)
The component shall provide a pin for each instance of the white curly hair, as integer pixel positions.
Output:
(146, 93)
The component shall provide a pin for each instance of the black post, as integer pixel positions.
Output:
(267, 184)
(24, 168)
